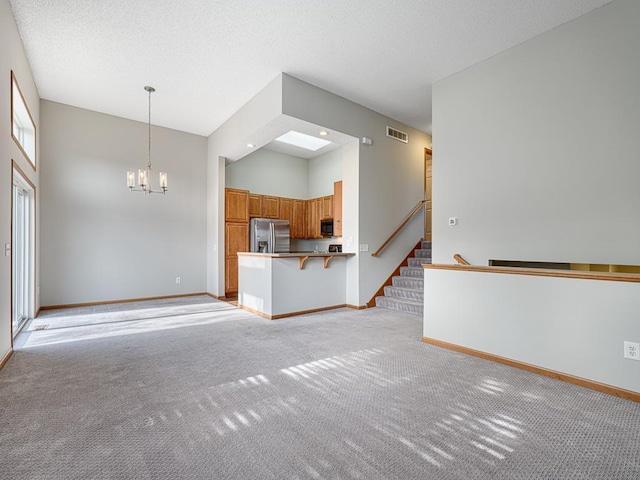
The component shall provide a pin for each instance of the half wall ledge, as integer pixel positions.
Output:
(566, 324)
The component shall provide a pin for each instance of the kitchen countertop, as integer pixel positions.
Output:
(297, 254)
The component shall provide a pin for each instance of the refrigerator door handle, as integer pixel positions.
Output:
(272, 237)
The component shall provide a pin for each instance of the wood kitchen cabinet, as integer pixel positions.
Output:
(236, 238)
(236, 205)
(255, 205)
(337, 209)
(286, 210)
(311, 217)
(270, 207)
(231, 276)
(327, 208)
(298, 225)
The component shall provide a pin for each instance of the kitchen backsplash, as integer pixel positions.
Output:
(320, 244)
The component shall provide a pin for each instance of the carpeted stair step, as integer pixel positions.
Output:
(401, 305)
(415, 272)
(404, 293)
(422, 253)
(408, 282)
(417, 262)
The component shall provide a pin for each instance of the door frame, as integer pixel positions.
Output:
(429, 152)
(27, 184)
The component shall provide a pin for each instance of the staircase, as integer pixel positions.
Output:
(406, 294)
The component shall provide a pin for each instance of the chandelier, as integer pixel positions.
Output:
(144, 175)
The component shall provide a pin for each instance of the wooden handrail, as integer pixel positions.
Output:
(541, 272)
(461, 261)
(397, 230)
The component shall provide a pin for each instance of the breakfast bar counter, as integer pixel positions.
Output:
(276, 285)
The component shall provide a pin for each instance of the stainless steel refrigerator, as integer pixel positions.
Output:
(269, 236)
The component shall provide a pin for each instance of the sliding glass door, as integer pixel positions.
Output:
(21, 258)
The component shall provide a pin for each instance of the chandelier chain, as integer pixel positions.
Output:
(149, 129)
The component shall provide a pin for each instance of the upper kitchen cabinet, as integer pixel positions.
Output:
(270, 207)
(337, 209)
(327, 208)
(255, 205)
(298, 223)
(236, 207)
(286, 210)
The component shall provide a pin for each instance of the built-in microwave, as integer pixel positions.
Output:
(326, 228)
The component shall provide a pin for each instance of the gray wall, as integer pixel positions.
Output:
(270, 173)
(381, 183)
(537, 148)
(537, 155)
(324, 170)
(572, 326)
(260, 110)
(390, 180)
(12, 57)
(101, 242)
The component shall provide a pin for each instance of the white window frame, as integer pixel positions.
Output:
(23, 128)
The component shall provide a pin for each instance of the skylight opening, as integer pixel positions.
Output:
(303, 140)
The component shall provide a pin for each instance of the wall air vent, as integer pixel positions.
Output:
(397, 135)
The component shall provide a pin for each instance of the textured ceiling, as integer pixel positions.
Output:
(207, 58)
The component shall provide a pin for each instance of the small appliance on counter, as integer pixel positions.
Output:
(335, 248)
(269, 236)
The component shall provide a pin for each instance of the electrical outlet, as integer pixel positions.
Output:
(453, 221)
(177, 279)
(364, 247)
(632, 350)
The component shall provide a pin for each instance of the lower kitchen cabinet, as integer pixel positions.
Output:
(231, 276)
(236, 240)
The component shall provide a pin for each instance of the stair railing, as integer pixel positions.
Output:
(415, 210)
(461, 261)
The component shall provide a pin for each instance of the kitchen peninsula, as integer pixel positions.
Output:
(277, 285)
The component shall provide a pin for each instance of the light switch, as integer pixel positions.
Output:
(364, 247)
(453, 221)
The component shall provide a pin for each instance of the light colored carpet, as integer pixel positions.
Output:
(194, 389)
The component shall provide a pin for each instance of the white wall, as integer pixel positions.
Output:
(323, 171)
(389, 176)
(260, 110)
(101, 242)
(381, 183)
(537, 148)
(537, 155)
(572, 326)
(270, 173)
(12, 57)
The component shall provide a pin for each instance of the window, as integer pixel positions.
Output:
(23, 128)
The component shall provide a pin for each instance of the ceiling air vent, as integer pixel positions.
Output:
(397, 135)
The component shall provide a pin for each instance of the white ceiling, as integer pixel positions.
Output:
(207, 58)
